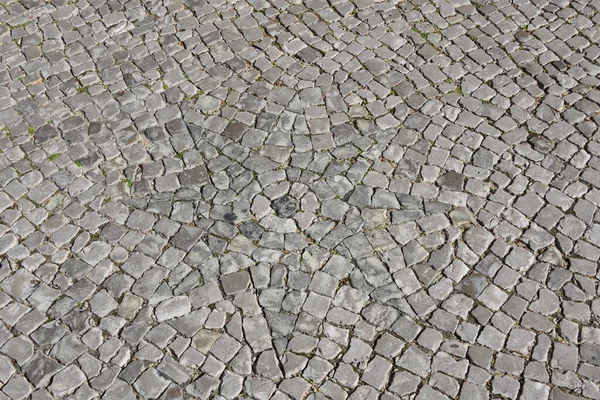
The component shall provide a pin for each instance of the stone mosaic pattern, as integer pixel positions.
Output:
(272, 199)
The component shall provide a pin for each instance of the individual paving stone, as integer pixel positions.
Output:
(225, 348)
(376, 373)
(493, 297)
(284, 206)
(565, 357)
(379, 315)
(519, 259)
(478, 239)
(509, 364)
(235, 283)
(427, 392)
(172, 308)
(68, 349)
(404, 383)
(505, 386)
(257, 333)
(251, 230)
(416, 361)
(534, 390)
(196, 176)
(140, 220)
(451, 181)
(150, 384)
(45, 134)
(17, 387)
(102, 304)
(20, 285)
(297, 387)
(67, 381)
(472, 285)
(19, 348)
(205, 295)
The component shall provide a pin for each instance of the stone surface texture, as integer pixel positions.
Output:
(285, 199)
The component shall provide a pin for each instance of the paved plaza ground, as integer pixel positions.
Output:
(284, 199)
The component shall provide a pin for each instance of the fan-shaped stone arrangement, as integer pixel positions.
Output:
(273, 199)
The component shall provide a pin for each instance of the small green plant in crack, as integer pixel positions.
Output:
(31, 130)
(83, 89)
(422, 34)
(195, 96)
(53, 157)
(79, 164)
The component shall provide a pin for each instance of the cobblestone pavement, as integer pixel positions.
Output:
(274, 199)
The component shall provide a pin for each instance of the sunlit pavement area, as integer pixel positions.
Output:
(277, 199)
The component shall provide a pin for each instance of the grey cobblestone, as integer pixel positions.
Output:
(299, 200)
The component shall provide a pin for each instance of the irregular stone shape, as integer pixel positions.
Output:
(196, 176)
(19, 349)
(590, 353)
(472, 285)
(251, 230)
(172, 308)
(257, 333)
(452, 181)
(285, 206)
(119, 391)
(534, 390)
(204, 340)
(478, 239)
(547, 304)
(68, 348)
(205, 295)
(20, 285)
(376, 373)
(66, 381)
(267, 365)
(102, 304)
(415, 361)
(150, 384)
(225, 348)
(235, 283)
(404, 383)
(186, 237)
(229, 217)
(380, 315)
(203, 387)
(297, 387)
(428, 393)
(7, 242)
(45, 133)
(17, 387)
